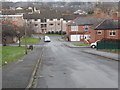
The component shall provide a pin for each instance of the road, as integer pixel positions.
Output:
(64, 67)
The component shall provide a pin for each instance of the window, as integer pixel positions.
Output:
(51, 24)
(99, 32)
(112, 33)
(58, 23)
(36, 20)
(36, 24)
(86, 28)
(43, 20)
(43, 25)
(74, 28)
(14, 19)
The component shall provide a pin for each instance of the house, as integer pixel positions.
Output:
(14, 19)
(108, 28)
(79, 29)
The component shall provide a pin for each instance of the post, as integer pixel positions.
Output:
(25, 38)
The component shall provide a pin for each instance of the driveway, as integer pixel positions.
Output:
(64, 67)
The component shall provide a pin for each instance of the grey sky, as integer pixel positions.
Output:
(64, 0)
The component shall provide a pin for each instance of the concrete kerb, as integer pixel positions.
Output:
(101, 56)
(34, 71)
(77, 46)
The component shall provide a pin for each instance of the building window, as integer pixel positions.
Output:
(36, 25)
(58, 23)
(43, 25)
(112, 33)
(74, 28)
(43, 20)
(86, 27)
(51, 24)
(99, 32)
(35, 19)
(14, 19)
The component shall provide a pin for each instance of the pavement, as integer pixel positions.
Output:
(19, 73)
(113, 56)
(64, 67)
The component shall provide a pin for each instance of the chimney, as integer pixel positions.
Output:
(115, 16)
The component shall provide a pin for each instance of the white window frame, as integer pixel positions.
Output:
(99, 31)
(85, 27)
(112, 31)
(74, 28)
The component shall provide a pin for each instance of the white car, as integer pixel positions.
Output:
(94, 45)
(47, 39)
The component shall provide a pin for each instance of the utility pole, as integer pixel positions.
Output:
(25, 38)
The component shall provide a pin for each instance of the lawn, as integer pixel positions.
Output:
(81, 44)
(30, 40)
(10, 53)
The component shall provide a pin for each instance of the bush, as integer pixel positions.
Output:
(56, 32)
(52, 32)
(48, 32)
(63, 32)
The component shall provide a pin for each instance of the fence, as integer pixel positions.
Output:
(108, 44)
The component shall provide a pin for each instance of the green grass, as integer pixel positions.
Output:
(10, 53)
(30, 40)
(81, 44)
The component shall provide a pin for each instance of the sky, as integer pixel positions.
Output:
(63, 0)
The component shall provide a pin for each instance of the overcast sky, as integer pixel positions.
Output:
(64, 0)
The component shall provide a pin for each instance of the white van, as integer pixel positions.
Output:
(47, 39)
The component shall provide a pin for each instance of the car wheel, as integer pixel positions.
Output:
(93, 46)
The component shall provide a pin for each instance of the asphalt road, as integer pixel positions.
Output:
(64, 67)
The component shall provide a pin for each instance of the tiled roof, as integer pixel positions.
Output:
(85, 21)
(107, 24)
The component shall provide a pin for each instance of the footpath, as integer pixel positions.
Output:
(19, 73)
(109, 55)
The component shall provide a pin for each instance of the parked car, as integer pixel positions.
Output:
(94, 45)
(47, 39)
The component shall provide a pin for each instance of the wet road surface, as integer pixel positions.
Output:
(64, 67)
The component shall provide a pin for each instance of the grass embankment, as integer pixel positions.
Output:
(81, 44)
(10, 54)
(30, 40)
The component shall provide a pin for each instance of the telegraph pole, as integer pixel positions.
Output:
(25, 38)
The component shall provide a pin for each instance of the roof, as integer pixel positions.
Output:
(85, 21)
(107, 24)
(70, 17)
(48, 14)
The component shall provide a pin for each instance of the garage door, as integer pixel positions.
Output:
(75, 37)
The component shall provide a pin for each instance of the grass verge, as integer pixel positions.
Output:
(81, 44)
(10, 54)
(30, 40)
